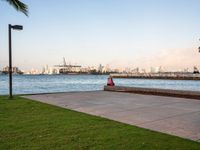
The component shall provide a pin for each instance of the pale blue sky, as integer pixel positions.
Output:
(121, 33)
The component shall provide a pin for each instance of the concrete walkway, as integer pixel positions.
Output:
(176, 116)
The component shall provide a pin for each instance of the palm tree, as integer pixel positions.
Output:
(19, 6)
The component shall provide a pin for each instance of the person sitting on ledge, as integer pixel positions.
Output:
(110, 82)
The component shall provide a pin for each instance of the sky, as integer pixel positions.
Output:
(121, 33)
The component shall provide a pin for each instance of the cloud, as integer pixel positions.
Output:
(173, 59)
(177, 58)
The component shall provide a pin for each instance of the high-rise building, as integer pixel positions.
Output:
(15, 70)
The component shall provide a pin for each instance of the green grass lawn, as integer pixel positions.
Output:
(26, 124)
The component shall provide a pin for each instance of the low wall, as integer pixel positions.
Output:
(154, 91)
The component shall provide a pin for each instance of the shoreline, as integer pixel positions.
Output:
(157, 78)
(189, 76)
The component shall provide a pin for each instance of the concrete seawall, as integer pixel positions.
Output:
(154, 91)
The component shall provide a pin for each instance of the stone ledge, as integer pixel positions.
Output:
(155, 91)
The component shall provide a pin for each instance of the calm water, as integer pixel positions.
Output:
(26, 84)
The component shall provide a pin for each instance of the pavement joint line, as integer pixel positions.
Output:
(140, 108)
(147, 122)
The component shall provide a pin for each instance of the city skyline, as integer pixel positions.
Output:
(100, 68)
(119, 33)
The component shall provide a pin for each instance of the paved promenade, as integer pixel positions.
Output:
(176, 116)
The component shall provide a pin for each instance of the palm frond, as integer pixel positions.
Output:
(19, 6)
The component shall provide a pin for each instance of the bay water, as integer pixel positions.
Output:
(29, 84)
